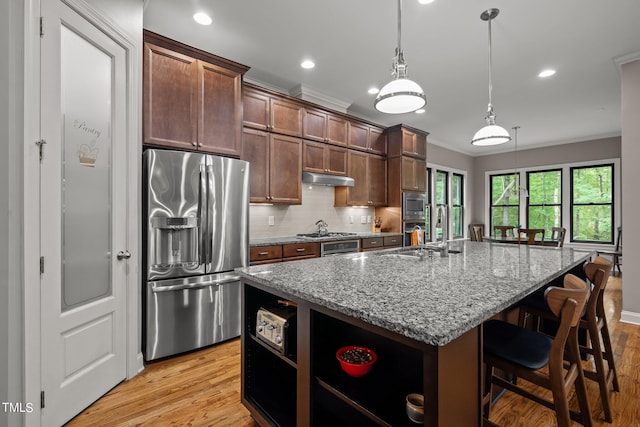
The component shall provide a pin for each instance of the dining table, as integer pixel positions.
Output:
(516, 241)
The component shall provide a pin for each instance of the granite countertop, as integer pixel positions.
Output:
(268, 241)
(433, 300)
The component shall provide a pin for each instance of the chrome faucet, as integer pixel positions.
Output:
(322, 227)
(442, 222)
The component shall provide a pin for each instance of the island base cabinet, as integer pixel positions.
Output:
(314, 390)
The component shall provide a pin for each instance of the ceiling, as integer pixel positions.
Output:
(446, 49)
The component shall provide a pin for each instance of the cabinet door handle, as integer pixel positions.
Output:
(263, 253)
(300, 249)
(373, 242)
(195, 144)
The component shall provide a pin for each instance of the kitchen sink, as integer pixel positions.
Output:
(414, 253)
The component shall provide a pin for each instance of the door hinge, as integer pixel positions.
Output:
(41, 26)
(41, 265)
(42, 399)
(41, 143)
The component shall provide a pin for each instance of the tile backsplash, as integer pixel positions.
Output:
(317, 203)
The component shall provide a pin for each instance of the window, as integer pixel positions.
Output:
(505, 200)
(458, 205)
(592, 204)
(441, 194)
(427, 216)
(544, 204)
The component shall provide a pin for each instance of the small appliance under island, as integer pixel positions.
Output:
(422, 315)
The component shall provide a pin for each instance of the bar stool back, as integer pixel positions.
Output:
(523, 353)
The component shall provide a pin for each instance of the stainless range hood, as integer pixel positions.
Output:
(330, 180)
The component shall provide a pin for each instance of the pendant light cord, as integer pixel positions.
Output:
(399, 27)
(490, 68)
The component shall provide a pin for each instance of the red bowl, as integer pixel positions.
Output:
(356, 369)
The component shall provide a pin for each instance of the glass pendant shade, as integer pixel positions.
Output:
(491, 135)
(400, 96)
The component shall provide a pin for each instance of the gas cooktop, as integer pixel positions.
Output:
(330, 234)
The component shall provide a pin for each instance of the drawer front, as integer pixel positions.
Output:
(392, 241)
(261, 253)
(301, 249)
(372, 242)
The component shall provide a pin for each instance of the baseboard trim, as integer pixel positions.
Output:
(630, 317)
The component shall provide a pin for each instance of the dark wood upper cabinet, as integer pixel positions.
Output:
(256, 108)
(367, 138)
(370, 174)
(276, 167)
(220, 112)
(324, 158)
(191, 98)
(323, 126)
(286, 117)
(267, 111)
(407, 141)
(170, 106)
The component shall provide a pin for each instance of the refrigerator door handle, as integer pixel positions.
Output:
(172, 288)
(202, 215)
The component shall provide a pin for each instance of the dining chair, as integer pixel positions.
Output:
(504, 231)
(530, 236)
(476, 232)
(539, 359)
(594, 322)
(615, 254)
(557, 235)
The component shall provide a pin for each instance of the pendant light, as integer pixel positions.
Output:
(400, 95)
(520, 191)
(491, 134)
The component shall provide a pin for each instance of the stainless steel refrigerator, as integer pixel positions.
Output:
(196, 217)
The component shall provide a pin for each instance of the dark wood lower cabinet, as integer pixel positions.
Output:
(310, 388)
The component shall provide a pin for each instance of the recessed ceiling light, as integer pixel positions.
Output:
(373, 90)
(307, 64)
(547, 73)
(425, 1)
(421, 111)
(202, 18)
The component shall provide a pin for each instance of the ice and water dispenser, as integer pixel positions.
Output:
(176, 242)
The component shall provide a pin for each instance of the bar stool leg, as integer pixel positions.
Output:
(601, 373)
(608, 353)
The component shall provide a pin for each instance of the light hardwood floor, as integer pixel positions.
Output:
(203, 388)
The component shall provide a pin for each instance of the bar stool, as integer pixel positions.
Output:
(594, 321)
(523, 353)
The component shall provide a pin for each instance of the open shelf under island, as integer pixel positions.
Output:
(422, 315)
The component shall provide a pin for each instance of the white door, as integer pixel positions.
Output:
(82, 213)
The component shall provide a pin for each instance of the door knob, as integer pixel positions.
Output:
(123, 255)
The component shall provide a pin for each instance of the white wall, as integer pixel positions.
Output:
(11, 118)
(630, 180)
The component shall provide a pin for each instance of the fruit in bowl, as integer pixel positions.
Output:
(356, 360)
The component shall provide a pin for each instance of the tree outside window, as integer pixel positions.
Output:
(441, 194)
(505, 200)
(592, 204)
(458, 204)
(427, 216)
(544, 205)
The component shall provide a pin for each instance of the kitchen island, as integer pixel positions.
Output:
(421, 314)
